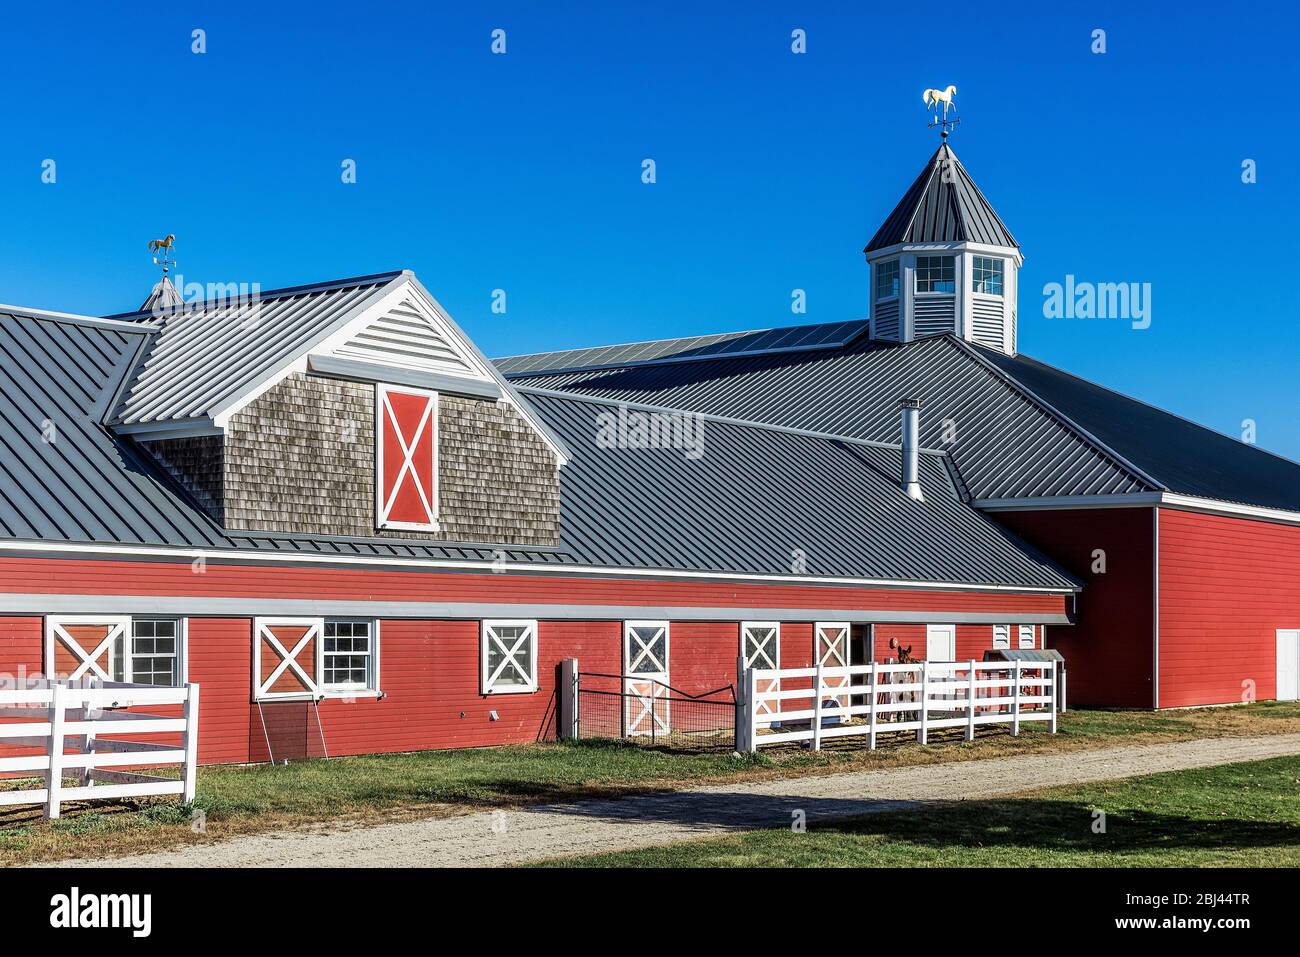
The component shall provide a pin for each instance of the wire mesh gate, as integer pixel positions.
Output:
(652, 711)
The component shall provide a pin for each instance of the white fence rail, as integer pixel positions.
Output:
(81, 737)
(870, 700)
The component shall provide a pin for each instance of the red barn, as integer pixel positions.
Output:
(357, 533)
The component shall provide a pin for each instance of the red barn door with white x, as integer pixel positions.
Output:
(406, 458)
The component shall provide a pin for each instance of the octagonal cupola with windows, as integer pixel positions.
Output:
(943, 262)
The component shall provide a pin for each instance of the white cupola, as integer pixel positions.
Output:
(943, 262)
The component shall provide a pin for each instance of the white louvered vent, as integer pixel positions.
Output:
(886, 319)
(404, 336)
(934, 315)
(987, 325)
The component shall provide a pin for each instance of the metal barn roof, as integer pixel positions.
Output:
(1180, 455)
(1015, 427)
(939, 208)
(756, 493)
(1004, 443)
(758, 498)
(209, 353)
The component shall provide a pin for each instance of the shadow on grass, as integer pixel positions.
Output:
(1042, 824)
(1061, 825)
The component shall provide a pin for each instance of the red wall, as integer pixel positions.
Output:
(429, 670)
(1226, 586)
(1109, 653)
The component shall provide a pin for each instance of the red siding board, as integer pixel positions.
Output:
(1226, 586)
(1109, 651)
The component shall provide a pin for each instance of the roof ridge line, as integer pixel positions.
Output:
(723, 419)
(263, 295)
(1060, 416)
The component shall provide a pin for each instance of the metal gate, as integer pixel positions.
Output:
(660, 713)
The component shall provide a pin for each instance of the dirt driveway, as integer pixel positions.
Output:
(496, 838)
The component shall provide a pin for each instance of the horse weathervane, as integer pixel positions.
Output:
(932, 100)
(162, 251)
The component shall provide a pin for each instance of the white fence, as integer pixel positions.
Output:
(69, 717)
(875, 699)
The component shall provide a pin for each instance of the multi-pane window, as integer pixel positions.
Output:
(887, 279)
(935, 274)
(509, 656)
(986, 275)
(347, 659)
(150, 655)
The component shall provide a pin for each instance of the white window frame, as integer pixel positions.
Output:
(128, 648)
(87, 669)
(916, 275)
(897, 274)
(347, 690)
(487, 633)
(382, 508)
(1022, 631)
(1000, 272)
(1001, 637)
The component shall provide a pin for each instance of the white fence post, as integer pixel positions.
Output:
(923, 734)
(54, 776)
(872, 701)
(817, 706)
(970, 702)
(189, 772)
(1052, 690)
(751, 709)
(1015, 702)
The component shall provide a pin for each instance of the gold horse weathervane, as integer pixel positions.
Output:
(933, 99)
(163, 248)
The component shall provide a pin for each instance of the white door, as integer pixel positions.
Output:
(941, 643)
(833, 652)
(1288, 665)
(645, 677)
(760, 644)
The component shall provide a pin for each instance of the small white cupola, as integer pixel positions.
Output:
(943, 262)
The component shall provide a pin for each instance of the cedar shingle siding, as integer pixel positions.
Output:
(301, 459)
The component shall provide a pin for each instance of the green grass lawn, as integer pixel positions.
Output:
(1241, 815)
(239, 800)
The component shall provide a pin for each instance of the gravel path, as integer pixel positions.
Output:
(586, 827)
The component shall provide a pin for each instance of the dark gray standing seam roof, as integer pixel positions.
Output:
(759, 497)
(1182, 456)
(1004, 444)
(939, 208)
(756, 493)
(1019, 428)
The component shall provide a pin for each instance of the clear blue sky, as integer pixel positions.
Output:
(522, 171)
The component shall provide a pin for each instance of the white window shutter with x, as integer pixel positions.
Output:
(286, 658)
(81, 647)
